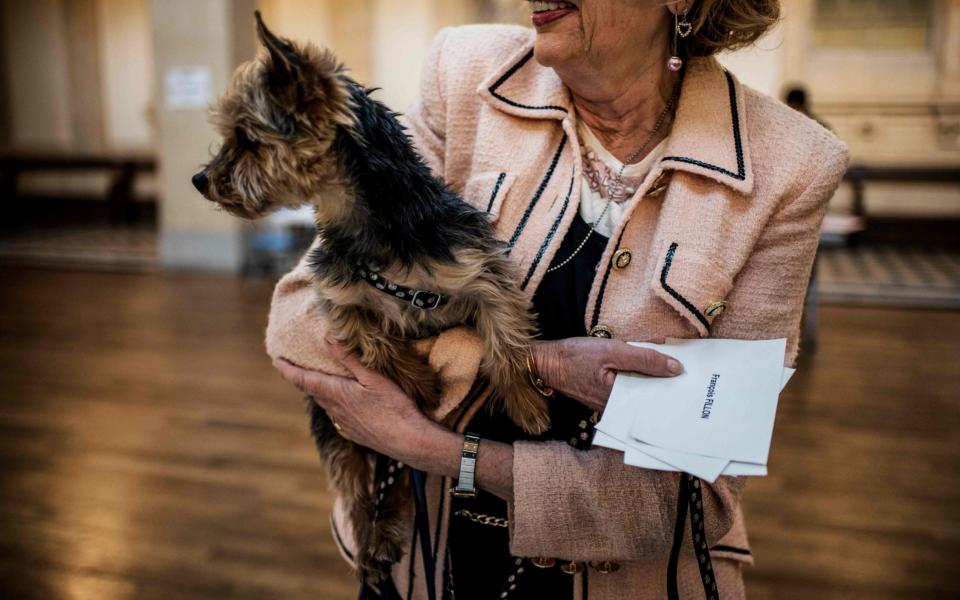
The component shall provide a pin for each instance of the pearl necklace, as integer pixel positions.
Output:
(584, 241)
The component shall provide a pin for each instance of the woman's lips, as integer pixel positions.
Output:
(548, 12)
(549, 16)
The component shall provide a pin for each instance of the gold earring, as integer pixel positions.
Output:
(682, 28)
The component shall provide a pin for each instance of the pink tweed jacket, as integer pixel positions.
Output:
(718, 241)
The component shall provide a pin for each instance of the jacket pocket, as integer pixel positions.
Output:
(692, 284)
(486, 191)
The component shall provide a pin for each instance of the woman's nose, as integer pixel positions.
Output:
(201, 182)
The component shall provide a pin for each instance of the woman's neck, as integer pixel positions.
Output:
(622, 103)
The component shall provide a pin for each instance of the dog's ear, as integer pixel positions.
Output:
(285, 69)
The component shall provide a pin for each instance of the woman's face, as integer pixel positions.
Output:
(593, 32)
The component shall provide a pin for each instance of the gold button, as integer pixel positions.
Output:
(543, 562)
(606, 566)
(658, 187)
(716, 308)
(621, 258)
(571, 568)
(601, 331)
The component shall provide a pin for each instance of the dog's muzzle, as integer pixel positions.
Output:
(201, 182)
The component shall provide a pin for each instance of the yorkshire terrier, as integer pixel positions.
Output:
(399, 257)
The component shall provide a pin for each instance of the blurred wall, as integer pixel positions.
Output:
(34, 36)
(382, 42)
(126, 66)
(888, 86)
(77, 74)
(196, 47)
(84, 74)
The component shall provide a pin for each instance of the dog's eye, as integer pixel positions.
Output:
(243, 140)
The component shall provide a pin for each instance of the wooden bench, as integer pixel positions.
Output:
(858, 176)
(119, 196)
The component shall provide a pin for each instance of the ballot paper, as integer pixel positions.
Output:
(716, 418)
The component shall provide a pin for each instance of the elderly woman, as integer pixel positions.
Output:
(645, 193)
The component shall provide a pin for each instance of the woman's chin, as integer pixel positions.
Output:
(554, 48)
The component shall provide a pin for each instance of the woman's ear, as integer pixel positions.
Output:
(677, 7)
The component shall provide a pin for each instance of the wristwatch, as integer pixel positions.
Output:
(468, 465)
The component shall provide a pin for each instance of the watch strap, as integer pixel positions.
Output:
(466, 487)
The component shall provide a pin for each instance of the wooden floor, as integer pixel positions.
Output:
(147, 450)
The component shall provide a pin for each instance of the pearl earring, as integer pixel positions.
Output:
(682, 28)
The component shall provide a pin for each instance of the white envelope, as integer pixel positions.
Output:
(707, 468)
(613, 432)
(613, 429)
(636, 458)
(723, 405)
(638, 455)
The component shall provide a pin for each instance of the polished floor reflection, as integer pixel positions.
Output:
(147, 450)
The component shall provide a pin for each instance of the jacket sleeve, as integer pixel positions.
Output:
(295, 329)
(777, 272)
(587, 505)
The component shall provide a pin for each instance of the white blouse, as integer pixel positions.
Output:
(591, 202)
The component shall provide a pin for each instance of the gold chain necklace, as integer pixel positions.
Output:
(656, 128)
(660, 120)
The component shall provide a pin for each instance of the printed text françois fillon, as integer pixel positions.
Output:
(711, 394)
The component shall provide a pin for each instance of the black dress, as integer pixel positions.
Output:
(480, 566)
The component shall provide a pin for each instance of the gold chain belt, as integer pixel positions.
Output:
(483, 519)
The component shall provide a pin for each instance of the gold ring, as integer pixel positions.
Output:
(337, 426)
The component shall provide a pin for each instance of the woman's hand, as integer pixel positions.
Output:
(368, 409)
(372, 411)
(584, 368)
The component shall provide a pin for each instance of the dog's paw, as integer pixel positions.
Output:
(525, 406)
(383, 550)
(422, 383)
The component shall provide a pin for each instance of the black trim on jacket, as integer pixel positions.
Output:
(510, 72)
(536, 196)
(550, 234)
(667, 263)
(741, 173)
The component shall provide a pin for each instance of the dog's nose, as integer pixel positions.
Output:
(201, 182)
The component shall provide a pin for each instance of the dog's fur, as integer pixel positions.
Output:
(296, 129)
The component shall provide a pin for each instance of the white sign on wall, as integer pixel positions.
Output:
(187, 88)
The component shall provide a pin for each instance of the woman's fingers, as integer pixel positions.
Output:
(645, 361)
(317, 384)
(351, 361)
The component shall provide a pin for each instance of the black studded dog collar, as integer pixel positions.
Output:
(422, 299)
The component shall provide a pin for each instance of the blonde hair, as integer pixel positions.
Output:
(728, 24)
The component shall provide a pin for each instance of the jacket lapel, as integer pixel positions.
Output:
(708, 137)
(693, 268)
(524, 88)
(708, 141)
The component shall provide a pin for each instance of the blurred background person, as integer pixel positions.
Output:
(149, 449)
(796, 98)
